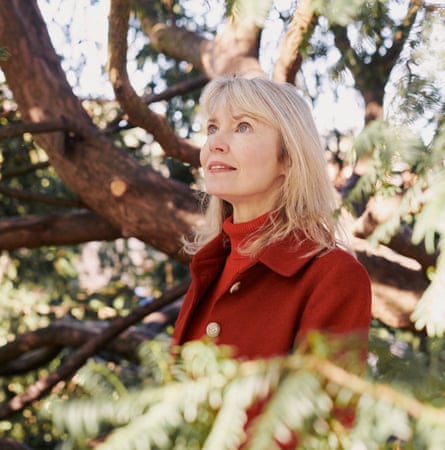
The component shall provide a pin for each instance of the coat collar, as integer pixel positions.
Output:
(285, 257)
(288, 256)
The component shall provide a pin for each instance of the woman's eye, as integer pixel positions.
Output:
(211, 129)
(243, 127)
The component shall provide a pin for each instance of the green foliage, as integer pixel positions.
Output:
(207, 393)
(418, 91)
(250, 11)
(41, 286)
(413, 365)
(95, 378)
(340, 12)
(430, 311)
(403, 160)
(392, 151)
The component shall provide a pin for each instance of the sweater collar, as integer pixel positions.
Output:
(238, 233)
(285, 257)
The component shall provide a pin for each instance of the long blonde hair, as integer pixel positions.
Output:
(305, 204)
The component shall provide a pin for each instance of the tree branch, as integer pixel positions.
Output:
(151, 207)
(289, 58)
(178, 43)
(178, 89)
(68, 228)
(36, 348)
(368, 83)
(172, 91)
(131, 103)
(9, 444)
(397, 283)
(80, 356)
(400, 36)
(377, 212)
(31, 168)
(234, 50)
(40, 127)
(358, 385)
(33, 360)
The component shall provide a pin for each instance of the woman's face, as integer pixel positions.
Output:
(240, 160)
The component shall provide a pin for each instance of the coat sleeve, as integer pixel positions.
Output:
(340, 301)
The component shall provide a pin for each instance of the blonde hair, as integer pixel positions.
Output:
(305, 204)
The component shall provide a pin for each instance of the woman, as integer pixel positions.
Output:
(267, 268)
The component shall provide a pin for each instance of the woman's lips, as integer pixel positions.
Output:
(218, 166)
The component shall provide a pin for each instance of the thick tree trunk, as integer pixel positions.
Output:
(135, 200)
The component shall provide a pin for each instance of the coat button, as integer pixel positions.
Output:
(235, 287)
(213, 329)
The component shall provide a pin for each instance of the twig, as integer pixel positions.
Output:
(79, 357)
(181, 88)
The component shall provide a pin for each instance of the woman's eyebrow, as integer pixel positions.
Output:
(242, 116)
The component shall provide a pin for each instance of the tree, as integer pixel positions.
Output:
(106, 191)
(115, 196)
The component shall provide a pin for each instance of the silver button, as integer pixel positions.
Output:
(235, 287)
(213, 329)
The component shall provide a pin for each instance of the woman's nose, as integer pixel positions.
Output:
(218, 142)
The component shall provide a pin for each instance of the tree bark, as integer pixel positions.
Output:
(155, 209)
(233, 50)
(70, 228)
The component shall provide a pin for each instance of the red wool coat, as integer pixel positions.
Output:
(278, 298)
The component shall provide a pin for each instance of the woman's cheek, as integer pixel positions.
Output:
(203, 156)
